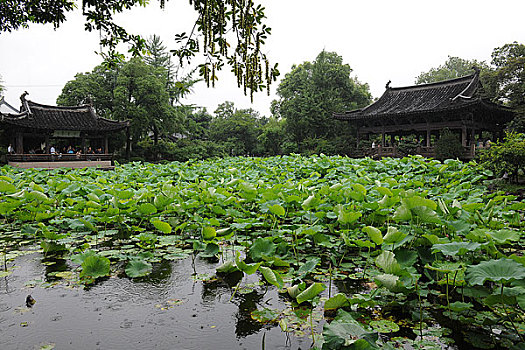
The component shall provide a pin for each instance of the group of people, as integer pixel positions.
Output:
(78, 151)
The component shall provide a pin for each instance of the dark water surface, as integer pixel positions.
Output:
(168, 310)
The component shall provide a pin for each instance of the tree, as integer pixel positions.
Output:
(228, 32)
(505, 81)
(312, 92)
(236, 129)
(454, 67)
(140, 95)
(95, 88)
(134, 90)
(1, 86)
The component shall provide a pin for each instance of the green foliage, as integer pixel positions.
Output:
(414, 234)
(230, 32)
(507, 156)
(454, 67)
(138, 268)
(310, 93)
(236, 129)
(448, 146)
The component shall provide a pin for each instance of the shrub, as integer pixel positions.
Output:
(506, 157)
(448, 146)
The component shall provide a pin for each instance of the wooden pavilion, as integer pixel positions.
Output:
(38, 127)
(425, 110)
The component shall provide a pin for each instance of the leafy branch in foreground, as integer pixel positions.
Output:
(231, 31)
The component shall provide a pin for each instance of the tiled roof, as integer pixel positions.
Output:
(446, 95)
(82, 118)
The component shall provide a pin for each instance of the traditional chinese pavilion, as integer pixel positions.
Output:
(38, 127)
(425, 110)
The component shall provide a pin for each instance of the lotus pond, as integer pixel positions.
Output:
(273, 253)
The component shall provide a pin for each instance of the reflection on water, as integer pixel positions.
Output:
(166, 310)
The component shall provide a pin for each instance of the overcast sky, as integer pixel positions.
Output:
(380, 39)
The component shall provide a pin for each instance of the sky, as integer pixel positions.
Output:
(381, 40)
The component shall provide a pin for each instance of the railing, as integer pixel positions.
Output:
(469, 152)
(28, 157)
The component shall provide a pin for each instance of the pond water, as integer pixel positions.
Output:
(167, 310)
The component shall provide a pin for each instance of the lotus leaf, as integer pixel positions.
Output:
(337, 301)
(374, 234)
(162, 226)
(95, 266)
(262, 247)
(456, 248)
(387, 261)
(384, 326)
(277, 209)
(147, 209)
(500, 271)
(505, 236)
(272, 277)
(138, 268)
(311, 292)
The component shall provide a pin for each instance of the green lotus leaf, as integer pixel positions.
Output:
(346, 333)
(79, 258)
(388, 281)
(387, 261)
(393, 236)
(456, 248)
(426, 215)
(308, 266)
(208, 233)
(7, 187)
(95, 266)
(499, 271)
(346, 218)
(337, 301)
(374, 234)
(417, 201)
(249, 269)
(277, 209)
(310, 202)
(262, 247)
(272, 277)
(459, 306)
(138, 268)
(505, 236)
(384, 191)
(402, 213)
(147, 209)
(212, 249)
(311, 292)
(228, 267)
(265, 315)
(162, 226)
(384, 326)
(295, 290)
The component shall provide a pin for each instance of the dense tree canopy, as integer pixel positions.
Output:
(454, 67)
(312, 91)
(228, 32)
(236, 129)
(135, 91)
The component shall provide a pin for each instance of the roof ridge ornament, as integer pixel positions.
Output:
(468, 92)
(25, 105)
(387, 86)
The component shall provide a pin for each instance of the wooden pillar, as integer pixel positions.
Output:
(464, 136)
(383, 138)
(128, 144)
(19, 143)
(84, 144)
(428, 137)
(106, 144)
(357, 139)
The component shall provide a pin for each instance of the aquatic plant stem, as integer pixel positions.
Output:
(448, 300)
(330, 284)
(420, 311)
(236, 288)
(508, 316)
(312, 323)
